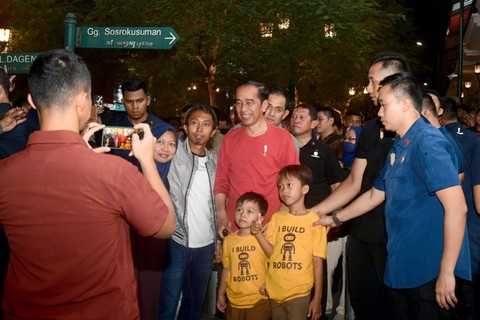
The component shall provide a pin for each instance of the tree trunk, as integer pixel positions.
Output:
(211, 84)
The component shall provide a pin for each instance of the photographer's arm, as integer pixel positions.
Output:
(143, 151)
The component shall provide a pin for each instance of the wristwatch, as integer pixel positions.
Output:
(335, 219)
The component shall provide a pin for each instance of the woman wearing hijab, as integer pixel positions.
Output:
(165, 149)
(350, 143)
(148, 253)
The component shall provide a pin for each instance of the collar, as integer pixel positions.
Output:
(456, 126)
(409, 135)
(186, 145)
(150, 120)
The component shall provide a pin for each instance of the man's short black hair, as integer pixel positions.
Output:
(429, 104)
(332, 113)
(134, 85)
(262, 90)
(404, 85)
(280, 92)
(392, 61)
(204, 108)
(450, 108)
(354, 113)
(56, 77)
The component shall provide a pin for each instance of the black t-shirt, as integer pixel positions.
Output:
(325, 168)
(370, 227)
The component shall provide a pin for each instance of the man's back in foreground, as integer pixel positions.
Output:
(65, 221)
(66, 209)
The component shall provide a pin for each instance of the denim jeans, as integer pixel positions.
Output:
(187, 271)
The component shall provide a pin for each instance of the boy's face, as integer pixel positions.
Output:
(246, 214)
(291, 190)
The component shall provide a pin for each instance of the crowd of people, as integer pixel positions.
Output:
(286, 199)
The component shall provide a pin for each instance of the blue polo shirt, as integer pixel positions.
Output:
(469, 142)
(472, 178)
(419, 164)
(456, 147)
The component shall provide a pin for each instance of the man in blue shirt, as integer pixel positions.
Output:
(470, 144)
(367, 242)
(429, 111)
(425, 211)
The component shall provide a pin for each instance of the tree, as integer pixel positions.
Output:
(222, 45)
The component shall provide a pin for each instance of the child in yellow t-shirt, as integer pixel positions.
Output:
(244, 265)
(295, 249)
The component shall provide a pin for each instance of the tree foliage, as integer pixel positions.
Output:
(221, 44)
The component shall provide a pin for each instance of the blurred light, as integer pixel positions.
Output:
(365, 91)
(425, 84)
(456, 5)
(468, 84)
(4, 35)
(217, 90)
(419, 43)
(266, 30)
(284, 24)
(330, 31)
(476, 68)
(351, 91)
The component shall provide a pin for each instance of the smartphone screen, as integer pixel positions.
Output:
(117, 137)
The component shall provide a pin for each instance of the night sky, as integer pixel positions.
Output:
(431, 18)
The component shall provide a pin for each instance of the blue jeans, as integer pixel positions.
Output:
(187, 271)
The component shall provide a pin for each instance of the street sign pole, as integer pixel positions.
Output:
(70, 40)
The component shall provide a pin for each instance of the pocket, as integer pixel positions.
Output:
(401, 183)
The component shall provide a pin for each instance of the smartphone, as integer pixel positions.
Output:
(118, 137)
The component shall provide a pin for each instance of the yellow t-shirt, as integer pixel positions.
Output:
(247, 263)
(295, 242)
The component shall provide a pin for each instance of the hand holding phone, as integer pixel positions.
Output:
(143, 142)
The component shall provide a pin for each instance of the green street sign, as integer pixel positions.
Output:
(18, 62)
(127, 37)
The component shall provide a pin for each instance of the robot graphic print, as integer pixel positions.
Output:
(244, 266)
(288, 249)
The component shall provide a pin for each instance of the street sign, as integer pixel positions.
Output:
(18, 62)
(127, 37)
